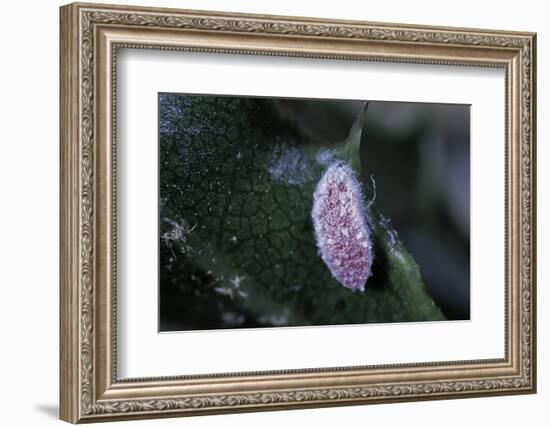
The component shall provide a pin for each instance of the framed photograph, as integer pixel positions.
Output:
(266, 212)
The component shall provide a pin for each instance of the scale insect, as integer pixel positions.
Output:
(341, 226)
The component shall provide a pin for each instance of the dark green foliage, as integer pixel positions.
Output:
(237, 247)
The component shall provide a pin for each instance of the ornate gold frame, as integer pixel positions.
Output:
(90, 35)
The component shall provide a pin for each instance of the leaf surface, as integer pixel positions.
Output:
(237, 245)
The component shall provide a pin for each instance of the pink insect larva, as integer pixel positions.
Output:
(341, 226)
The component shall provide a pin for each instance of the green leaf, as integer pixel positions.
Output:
(237, 243)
